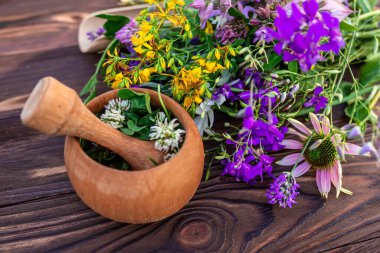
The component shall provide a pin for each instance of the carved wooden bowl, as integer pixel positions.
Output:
(138, 196)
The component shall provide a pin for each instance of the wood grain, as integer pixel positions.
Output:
(39, 211)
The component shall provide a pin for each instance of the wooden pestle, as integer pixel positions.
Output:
(56, 109)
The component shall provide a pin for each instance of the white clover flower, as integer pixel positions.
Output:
(114, 112)
(166, 135)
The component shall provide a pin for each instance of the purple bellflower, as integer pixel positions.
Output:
(317, 100)
(300, 33)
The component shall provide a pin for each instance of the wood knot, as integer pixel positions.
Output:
(195, 234)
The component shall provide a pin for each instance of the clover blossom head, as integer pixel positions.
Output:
(166, 134)
(283, 191)
(114, 112)
(302, 34)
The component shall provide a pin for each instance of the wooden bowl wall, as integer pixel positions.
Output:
(138, 196)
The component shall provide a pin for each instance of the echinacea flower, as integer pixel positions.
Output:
(323, 149)
(283, 191)
(166, 134)
(114, 112)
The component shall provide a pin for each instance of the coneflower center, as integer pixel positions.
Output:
(323, 156)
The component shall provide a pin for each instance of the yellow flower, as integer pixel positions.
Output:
(173, 3)
(217, 54)
(117, 80)
(145, 26)
(144, 75)
(209, 29)
(150, 54)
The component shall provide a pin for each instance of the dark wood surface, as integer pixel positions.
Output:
(39, 211)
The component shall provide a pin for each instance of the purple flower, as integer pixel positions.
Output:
(262, 35)
(205, 11)
(231, 31)
(258, 132)
(125, 33)
(300, 34)
(283, 191)
(317, 100)
(246, 165)
(94, 35)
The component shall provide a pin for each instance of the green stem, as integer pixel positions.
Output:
(90, 87)
(369, 14)
(369, 34)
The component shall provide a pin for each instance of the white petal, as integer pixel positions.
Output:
(292, 144)
(300, 126)
(301, 169)
(315, 122)
(291, 159)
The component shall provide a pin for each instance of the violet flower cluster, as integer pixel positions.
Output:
(259, 135)
(125, 33)
(301, 35)
(93, 35)
(317, 100)
(283, 191)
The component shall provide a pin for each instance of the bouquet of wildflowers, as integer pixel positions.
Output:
(268, 65)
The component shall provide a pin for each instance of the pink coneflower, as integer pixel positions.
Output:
(322, 150)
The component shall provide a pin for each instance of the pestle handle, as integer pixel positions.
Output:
(56, 109)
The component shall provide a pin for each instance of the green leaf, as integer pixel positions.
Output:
(89, 85)
(348, 27)
(113, 24)
(147, 120)
(274, 59)
(293, 67)
(132, 116)
(370, 72)
(147, 102)
(127, 131)
(236, 13)
(238, 42)
(129, 94)
(133, 126)
(143, 134)
(367, 5)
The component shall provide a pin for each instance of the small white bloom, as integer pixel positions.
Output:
(205, 120)
(114, 112)
(166, 135)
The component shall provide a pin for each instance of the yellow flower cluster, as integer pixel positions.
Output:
(191, 84)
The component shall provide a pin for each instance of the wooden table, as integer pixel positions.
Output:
(39, 211)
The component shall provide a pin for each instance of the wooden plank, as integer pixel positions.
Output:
(39, 210)
(43, 25)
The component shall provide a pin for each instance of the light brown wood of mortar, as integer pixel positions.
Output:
(138, 196)
(54, 108)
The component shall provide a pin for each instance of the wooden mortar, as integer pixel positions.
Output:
(138, 196)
